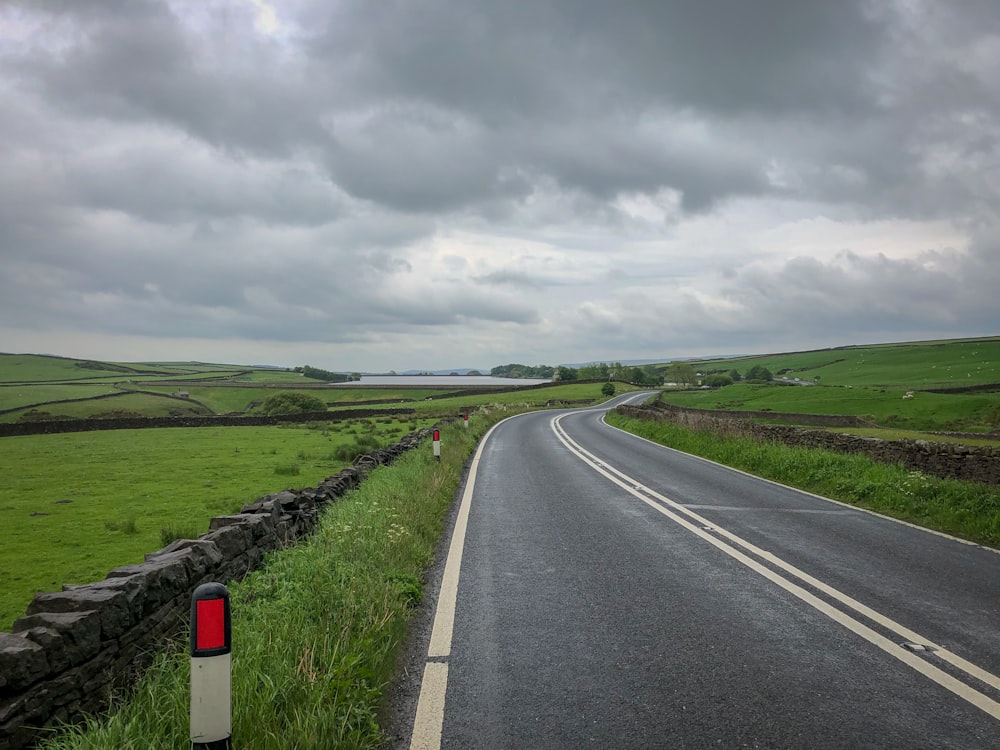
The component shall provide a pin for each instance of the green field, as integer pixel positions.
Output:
(222, 389)
(75, 505)
(33, 368)
(886, 407)
(132, 404)
(14, 396)
(220, 399)
(909, 366)
(869, 382)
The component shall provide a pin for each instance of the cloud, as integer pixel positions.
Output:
(583, 178)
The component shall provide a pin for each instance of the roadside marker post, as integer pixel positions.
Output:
(466, 415)
(437, 444)
(211, 668)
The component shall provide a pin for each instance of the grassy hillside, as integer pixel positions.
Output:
(871, 382)
(41, 383)
(919, 365)
(883, 406)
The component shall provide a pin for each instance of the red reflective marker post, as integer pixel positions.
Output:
(466, 416)
(211, 668)
(437, 444)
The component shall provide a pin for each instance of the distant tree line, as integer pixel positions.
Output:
(609, 371)
(719, 379)
(523, 371)
(325, 375)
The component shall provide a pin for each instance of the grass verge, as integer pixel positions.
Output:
(315, 631)
(964, 509)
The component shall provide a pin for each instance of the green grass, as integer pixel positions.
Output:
(67, 499)
(13, 396)
(24, 368)
(887, 407)
(345, 395)
(964, 509)
(142, 404)
(316, 631)
(906, 365)
(274, 376)
(220, 399)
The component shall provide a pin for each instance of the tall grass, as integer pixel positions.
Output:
(316, 631)
(965, 509)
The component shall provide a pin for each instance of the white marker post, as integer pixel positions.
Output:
(437, 444)
(466, 415)
(211, 668)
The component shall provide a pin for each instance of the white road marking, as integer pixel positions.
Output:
(859, 509)
(939, 676)
(429, 719)
(430, 708)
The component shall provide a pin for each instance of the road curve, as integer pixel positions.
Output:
(604, 591)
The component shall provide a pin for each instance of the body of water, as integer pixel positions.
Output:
(441, 381)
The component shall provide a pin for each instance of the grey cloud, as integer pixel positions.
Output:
(164, 162)
(859, 294)
(166, 185)
(508, 278)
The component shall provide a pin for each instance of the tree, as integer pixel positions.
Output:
(759, 373)
(735, 375)
(608, 389)
(290, 402)
(682, 373)
(515, 370)
(652, 375)
(565, 373)
(595, 371)
(718, 381)
(318, 374)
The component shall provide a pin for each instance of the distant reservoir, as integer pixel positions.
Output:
(440, 381)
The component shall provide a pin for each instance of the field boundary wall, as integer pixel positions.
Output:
(945, 460)
(13, 429)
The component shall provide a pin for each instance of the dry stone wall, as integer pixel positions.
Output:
(945, 460)
(138, 423)
(73, 647)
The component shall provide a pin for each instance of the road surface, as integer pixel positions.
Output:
(602, 591)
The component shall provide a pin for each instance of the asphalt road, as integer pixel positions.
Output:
(602, 591)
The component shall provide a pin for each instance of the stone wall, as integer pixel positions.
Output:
(945, 460)
(138, 423)
(820, 420)
(73, 647)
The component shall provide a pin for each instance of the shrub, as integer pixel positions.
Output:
(126, 526)
(718, 381)
(608, 389)
(289, 402)
(758, 373)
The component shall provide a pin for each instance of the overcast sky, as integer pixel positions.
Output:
(396, 184)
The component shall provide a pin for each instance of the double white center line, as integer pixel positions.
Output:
(753, 557)
(429, 719)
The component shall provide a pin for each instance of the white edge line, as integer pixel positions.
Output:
(939, 676)
(429, 719)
